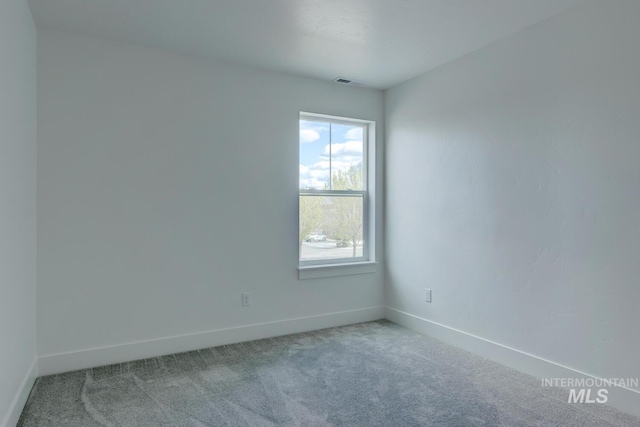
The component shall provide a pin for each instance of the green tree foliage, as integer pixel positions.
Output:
(348, 209)
(311, 216)
(351, 179)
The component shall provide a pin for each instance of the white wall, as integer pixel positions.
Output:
(167, 186)
(513, 191)
(17, 205)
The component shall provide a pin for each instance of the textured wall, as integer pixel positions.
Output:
(513, 191)
(167, 186)
(17, 199)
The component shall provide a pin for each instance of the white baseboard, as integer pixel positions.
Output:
(622, 398)
(90, 358)
(15, 409)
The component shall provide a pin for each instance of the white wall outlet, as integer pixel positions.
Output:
(427, 295)
(246, 299)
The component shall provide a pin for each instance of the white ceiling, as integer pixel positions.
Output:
(382, 42)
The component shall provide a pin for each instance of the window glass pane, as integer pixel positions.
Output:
(347, 159)
(314, 157)
(331, 227)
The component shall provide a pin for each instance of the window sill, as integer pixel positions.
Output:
(330, 270)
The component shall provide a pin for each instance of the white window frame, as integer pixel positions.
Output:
(345, 266)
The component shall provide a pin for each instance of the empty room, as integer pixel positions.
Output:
(319, 213)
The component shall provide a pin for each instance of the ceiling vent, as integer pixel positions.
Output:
(349, 82)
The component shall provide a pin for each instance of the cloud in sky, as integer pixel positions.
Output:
(317, 174)
(348, 148)
(314, 176)
(310, 131)
(309, 135)
(354, 134)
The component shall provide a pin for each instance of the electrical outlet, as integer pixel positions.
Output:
(246, 299)
(427, 295)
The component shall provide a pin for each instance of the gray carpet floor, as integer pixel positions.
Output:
(371, 374)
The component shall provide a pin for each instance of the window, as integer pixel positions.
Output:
(334, 199)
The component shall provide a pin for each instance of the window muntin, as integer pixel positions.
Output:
(333, 202)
